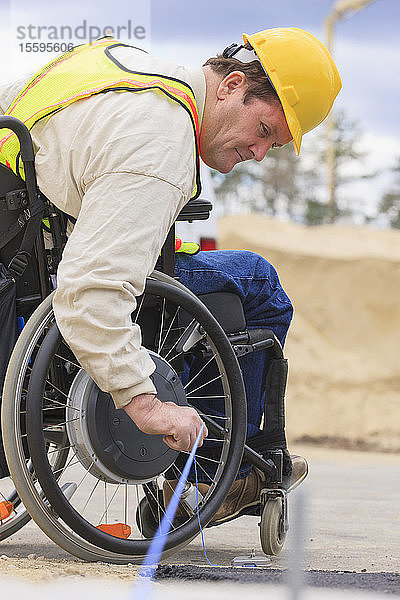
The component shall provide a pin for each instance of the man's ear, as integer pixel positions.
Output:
(235, 81)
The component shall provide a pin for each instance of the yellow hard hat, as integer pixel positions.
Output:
(303, 74)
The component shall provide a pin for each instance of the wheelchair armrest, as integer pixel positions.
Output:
(227, 309)
(195, 210)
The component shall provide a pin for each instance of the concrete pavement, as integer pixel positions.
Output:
(352, 517)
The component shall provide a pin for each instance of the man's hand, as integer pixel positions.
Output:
(179, 424)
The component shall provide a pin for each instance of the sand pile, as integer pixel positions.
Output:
(344, 343)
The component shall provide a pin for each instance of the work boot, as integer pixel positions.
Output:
(243, 493)
(298, 474)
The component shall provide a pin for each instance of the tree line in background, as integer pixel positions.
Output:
(283, 186)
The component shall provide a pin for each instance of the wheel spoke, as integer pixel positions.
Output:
(161, 326)
(188, 395)
(91, 494)
(68, 360)
(139, 511)
(160, 508)
(139, 308)
(171, 360)
(66, 466)
(60, 404)
(173, 492)
(169, 328)
(204, 471)
(181, 337)
(107, 505)
(198, 373)
(126, 503)
(84, 476)
(158, 504)
(51, 384)
(213, 416)
(218, 462)
(47, 408)
(210, 398)
(50, 428)
(59, 449)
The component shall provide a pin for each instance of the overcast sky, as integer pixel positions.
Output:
(367, 53)
(367, 48)
(367, 45)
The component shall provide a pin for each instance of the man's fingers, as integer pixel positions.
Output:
(180, 445)
(201, 440)
(204, 434)
(185, 443)
(170, 441)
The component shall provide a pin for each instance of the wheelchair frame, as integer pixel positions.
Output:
(241, 341)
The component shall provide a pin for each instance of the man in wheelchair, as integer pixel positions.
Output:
(123, 165)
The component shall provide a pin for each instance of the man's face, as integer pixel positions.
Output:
(232, 131)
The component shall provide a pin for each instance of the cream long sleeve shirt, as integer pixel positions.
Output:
(123, 164)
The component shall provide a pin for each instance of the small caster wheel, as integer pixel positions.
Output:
(147, 519)
(272, 527)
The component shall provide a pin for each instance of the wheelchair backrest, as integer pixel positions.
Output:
(28, 285)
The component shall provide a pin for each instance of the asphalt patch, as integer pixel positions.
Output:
(388, 583)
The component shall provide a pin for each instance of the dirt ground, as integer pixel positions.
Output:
(344, 342)
(39, 568)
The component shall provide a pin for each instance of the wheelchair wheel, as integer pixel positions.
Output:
(272, 533)
(111, 472)
(13, 514)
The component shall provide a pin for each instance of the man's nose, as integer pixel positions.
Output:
(259, 150)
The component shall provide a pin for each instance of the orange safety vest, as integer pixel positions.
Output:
(83, 72)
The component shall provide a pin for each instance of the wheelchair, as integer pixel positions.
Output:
(91, 480)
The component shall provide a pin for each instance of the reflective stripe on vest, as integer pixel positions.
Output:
(83, 72)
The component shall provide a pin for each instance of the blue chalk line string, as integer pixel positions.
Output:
(152, 558)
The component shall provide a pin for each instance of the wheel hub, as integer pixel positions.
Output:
(107, 442)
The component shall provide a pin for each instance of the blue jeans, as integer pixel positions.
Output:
(265, 304)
